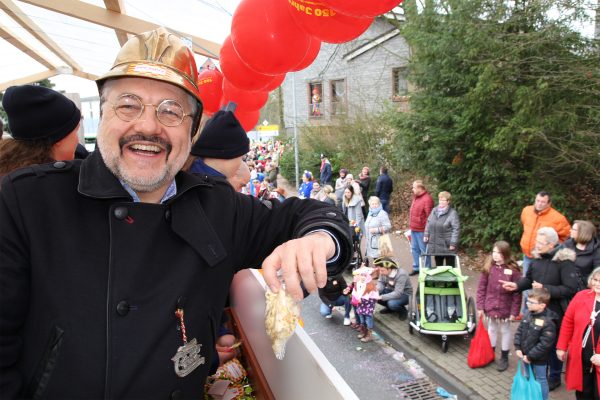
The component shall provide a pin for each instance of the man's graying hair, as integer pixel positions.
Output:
(549, 233)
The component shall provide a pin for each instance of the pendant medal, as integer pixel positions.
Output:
(188, 357)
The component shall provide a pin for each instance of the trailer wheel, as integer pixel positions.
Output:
(471, 315)
(412, 315)
(445, 345)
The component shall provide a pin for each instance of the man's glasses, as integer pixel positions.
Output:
(532, 302)
(129, 107)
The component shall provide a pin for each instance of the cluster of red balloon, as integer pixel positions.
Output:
(272, 37)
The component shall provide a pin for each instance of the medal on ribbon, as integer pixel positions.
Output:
(188, 356)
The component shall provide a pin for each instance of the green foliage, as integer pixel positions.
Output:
(508, 104)
(364, 141)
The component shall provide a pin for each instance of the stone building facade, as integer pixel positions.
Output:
(348, 79)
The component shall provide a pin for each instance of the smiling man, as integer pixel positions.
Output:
(114, 270)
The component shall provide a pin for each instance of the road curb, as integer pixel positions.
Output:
(448, 381)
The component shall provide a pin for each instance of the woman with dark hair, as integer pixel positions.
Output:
(351, 205)
(584, 242)
(44, 126)
(496, 304)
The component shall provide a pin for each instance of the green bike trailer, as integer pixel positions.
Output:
(440, 305)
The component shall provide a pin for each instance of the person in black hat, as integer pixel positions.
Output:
(44, 125)
(220, 150)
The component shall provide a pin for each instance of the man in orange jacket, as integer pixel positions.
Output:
(534, 217)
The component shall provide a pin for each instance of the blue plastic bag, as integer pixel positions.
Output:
(525, 387)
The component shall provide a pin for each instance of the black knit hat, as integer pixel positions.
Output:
(36, 113)
(222, 137)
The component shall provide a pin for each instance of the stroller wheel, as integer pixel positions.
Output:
(445, 345)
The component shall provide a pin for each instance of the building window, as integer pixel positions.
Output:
(338, 97)
(315, 90)
(399, 84)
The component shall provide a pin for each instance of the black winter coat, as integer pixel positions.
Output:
(333, 289)
(536, 335)
(587, 259)
(556, 271)
(384, 187)
(89, 280)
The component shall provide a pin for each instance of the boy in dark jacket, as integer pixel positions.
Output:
(536, 335)
(332, 295)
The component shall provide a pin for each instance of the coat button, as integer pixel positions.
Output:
(168, 215)
(121, 213)
(176, 395)
(59, 164)
(123, 308)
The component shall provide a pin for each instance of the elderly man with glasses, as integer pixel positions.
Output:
(114, 270)
(552, 268)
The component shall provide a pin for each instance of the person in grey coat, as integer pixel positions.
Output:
(377, 224)
(442, 231)
(394, 287)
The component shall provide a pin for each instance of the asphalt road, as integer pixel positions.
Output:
(373, 370)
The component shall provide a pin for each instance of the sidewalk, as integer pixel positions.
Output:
(449, 369)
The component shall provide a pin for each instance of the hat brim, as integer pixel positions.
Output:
(159, 72)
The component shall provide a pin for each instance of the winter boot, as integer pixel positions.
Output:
(363, 331)
(368, 336)
(503, 361)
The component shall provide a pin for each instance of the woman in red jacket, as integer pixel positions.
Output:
(579, 334)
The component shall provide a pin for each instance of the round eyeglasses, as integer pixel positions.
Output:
(129, 107)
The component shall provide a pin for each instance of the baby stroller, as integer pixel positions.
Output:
(440, 305)
(357, 258)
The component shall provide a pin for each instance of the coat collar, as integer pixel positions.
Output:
(97, 181)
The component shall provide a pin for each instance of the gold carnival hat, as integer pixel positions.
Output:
(159, 55)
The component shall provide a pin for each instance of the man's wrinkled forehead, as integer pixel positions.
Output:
(143, 87)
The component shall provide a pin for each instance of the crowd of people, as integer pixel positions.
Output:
(551, 293)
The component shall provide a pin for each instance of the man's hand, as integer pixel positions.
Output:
(508, 285)
(536, 285)
(560, 354)
(302, 259)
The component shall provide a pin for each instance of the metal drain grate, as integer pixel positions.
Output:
(418, 389)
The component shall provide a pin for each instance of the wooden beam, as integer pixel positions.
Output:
(111, 19)
(29, 79)
(24, 47)
(36, 31)
(85, 75)
(118, 7)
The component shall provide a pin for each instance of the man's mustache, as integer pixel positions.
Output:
(144, 138)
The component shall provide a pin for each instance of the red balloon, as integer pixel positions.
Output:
(311, 54)
(210, 85)
(237, 72)
(247, 119)
(274, 84)
(246, 100)
(266, 37)
(325, 23)
(362, 8)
